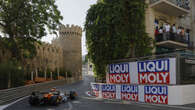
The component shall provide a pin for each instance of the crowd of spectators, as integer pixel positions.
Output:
(171, 32)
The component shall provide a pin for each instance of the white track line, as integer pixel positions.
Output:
(70, 106)
(5, 106)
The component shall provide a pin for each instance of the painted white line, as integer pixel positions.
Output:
(76, 102)
(5, 106)
(70, 106)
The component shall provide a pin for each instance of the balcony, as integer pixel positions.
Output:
(171, 7)
(172, 41)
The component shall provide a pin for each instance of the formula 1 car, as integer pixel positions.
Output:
(43, 98)
(50, 98)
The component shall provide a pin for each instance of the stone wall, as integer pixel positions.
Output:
(49, 57)
(63, 54)
(70, 41)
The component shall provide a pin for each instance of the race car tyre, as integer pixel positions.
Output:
(54, 100)
(33, 101)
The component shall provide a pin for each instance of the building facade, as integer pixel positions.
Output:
(166, 14)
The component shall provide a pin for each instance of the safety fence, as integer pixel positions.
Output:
(9, 95)
(155, 94)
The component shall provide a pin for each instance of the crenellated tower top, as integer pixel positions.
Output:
(73, 29)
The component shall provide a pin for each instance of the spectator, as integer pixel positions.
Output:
(179, 31)
(160, 33)
(173, 32)
(156, 23)
(182, 34)
(187, 36)
(167, 31)
(164, 27)
(167, 28)
(179, 34)
(156, 33)
(182, 31)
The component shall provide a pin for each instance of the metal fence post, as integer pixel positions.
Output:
(178, 68)
(32, 77)
(51, 77)
(45, 75)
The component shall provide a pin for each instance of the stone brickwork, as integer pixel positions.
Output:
(63, 54)
(49, 57)
(70, 41)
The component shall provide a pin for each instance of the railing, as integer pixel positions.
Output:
(172, 37)
(9, 95)
(181, 3)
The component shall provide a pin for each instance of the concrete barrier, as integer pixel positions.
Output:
(156, 94)
(181, 94)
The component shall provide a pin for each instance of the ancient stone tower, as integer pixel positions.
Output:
(70, 41)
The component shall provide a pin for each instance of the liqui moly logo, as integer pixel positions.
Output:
(109, 91)
(129, 92)
(95, 89)
(154, 72)
(156, 94)
(119, 73)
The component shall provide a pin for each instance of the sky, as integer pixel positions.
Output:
(74, 12)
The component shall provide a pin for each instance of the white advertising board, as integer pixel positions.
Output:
(138, 93)
(159, 71)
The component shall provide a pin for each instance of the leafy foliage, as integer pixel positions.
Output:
(11, 75)
(115, 29)
(24, 22)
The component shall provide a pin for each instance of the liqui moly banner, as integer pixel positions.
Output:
(156, 94)
(129, 92)
(119, 73)
(157, 71)
(95, 89)
(108, 91)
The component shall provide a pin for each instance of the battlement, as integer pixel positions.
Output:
(70, 29)
(50, 48)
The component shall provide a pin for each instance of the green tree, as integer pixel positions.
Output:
(24, 22)
(115, 29)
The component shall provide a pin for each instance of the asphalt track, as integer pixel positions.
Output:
(86, 102)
